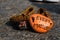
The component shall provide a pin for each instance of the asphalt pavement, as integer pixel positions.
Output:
(11, 7)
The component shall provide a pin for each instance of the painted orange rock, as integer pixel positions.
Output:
(40, 23)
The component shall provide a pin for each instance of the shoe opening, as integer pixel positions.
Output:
(30, 10)
(41, 10)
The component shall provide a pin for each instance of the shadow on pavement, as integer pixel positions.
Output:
(15, 26)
